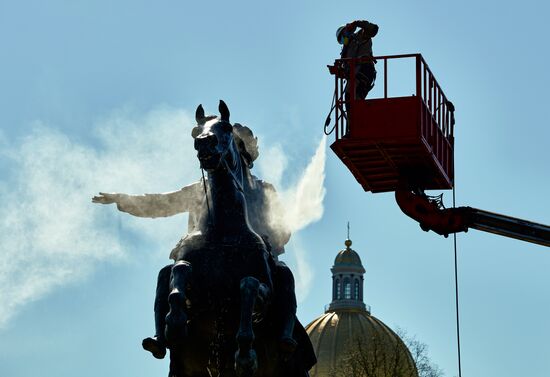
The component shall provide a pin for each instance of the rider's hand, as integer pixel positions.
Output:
(106, 198)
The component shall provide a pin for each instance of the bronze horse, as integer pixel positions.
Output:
(221, 321)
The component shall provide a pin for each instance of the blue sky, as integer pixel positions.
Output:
(97, 96)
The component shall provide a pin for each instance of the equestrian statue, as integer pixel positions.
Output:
(227, 306)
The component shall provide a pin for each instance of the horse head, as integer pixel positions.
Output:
(214, 141)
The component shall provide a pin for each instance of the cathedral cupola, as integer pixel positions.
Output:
(347, 281)
(348, 324)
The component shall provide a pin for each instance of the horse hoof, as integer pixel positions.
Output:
(246, 363)
(176, 319)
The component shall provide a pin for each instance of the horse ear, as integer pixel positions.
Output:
(199, 115)
(196, 131)
(224, 111)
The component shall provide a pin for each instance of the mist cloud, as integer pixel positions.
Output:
(50, 232)
(48, 225)
(302, 202)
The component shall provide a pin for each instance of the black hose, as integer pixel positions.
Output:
(327, 120)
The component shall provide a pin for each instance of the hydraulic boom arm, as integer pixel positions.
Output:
(431, 215)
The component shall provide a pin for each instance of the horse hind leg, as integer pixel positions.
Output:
(176, 319)
(246, 361)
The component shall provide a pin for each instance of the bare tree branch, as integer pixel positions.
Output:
(374, 357)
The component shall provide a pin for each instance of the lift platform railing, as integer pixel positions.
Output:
(439, 109)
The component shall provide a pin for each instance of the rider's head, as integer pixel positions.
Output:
(246, 142)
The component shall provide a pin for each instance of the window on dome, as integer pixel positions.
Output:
(356, 290)
(347, 289)
(338, 290)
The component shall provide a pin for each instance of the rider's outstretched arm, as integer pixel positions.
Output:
(154, 205)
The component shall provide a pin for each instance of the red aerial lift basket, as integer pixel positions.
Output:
(390, 142)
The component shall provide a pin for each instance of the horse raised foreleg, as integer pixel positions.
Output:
(246, 361)
(176, 319)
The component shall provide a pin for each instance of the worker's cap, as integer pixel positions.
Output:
(339, 33)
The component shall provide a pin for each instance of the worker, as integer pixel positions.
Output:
(358, 44)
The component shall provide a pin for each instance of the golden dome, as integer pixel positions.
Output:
(338, 336)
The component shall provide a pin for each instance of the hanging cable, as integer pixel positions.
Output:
(456, 292)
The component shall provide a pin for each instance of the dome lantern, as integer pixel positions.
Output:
(347, 281)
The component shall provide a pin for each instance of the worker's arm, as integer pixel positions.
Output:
(370, 29)
(153, 205)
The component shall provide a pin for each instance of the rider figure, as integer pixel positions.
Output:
(263, 210)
